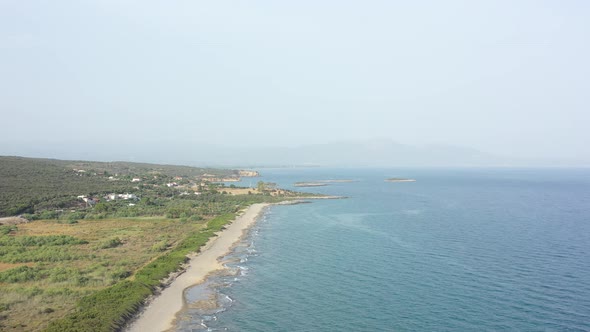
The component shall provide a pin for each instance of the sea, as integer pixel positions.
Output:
(486, 249)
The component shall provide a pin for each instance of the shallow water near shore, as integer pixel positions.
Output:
(457, 250)
(207, 300)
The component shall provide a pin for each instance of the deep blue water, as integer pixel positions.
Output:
(457, 250)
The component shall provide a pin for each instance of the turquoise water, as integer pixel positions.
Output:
(458, 250)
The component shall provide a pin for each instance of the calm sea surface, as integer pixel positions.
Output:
(458, 250)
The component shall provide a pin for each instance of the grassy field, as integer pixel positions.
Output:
(46, 267)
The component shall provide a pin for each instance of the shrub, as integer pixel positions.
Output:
(21, 274)
(195, 217)
(47, 310)
(110, 243)
(5, 230)
(159, 246)
(105, 310)
(42, 254)
(62, 274)
(48, 215)
(120, 274)
(31, 241)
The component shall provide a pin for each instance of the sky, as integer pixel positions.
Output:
(505, 77)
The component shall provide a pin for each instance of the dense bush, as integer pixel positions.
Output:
(110, 243)
(52, 248)
(27, 273)
(7, 229)
(20, 274)
(23, 254)
(106, 310)
(30, 241)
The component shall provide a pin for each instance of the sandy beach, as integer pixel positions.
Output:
(160, 313)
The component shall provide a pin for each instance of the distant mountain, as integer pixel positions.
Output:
(371, 153)
(355, 154)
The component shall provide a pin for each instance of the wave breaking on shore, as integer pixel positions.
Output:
(160, 314)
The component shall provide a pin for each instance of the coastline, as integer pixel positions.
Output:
(159, 314)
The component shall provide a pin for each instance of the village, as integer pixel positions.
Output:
(184, 185)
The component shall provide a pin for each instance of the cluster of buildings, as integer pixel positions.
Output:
(113, 197)
(91, 201)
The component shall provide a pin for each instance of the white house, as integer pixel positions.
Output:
(127, 196)
(112, 197)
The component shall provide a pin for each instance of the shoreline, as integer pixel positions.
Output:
(159, 314)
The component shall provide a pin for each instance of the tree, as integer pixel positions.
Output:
(101, 207)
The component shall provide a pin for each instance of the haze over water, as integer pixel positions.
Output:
(458, 250)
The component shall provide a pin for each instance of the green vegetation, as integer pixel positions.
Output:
(33, 185)
(110, 243)
(41, 189)
(88, 263)
(4, 230)
(80, 270)
(29, 241)
(110, 308)
(42, 186)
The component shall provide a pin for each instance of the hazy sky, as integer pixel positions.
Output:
(507, 77)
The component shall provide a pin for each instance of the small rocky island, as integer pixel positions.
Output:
(310, 184)
(399, 180)
(320, 183)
